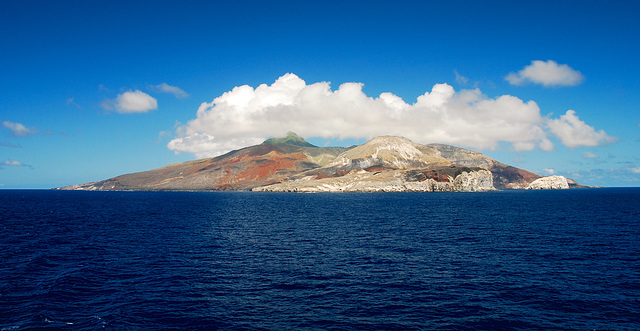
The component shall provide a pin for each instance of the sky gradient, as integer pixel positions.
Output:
(94, 89)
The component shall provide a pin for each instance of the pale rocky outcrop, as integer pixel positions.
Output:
(390, 152)
(549, 183)
(387, 181)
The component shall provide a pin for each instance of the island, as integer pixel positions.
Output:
(291, 164)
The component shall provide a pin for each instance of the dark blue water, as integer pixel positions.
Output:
(511, 260)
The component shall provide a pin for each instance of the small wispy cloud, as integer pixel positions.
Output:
(71, 102)
(163, 134)
(131, 102)
(549, 171)
(589, 155)
(548, 73)
(461, 80)
(13, 163)
(8, 144)
(166, 88)
(19, 129)
(135, 102)
(624, 176)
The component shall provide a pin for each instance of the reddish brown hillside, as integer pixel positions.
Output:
(237, 170)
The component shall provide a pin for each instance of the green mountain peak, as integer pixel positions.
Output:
(292, 139)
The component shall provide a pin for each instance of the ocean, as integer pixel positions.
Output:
(506, 260)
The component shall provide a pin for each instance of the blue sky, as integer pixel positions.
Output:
(95, 89)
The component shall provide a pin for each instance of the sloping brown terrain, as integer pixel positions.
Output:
(237, 170)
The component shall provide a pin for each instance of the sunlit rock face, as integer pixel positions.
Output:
(388, 181)
(388, 152)
(388, 164)
(549, 183)
(504, 176)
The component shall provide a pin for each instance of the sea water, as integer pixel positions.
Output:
(507, 260)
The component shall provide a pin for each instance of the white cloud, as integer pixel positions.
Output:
(107, 104)
(245, 116)
(548, 73)
(8, 144)
(134, 102)
(589, 155)
(176, 91)
(71, 102)
(462, 80)
(635, 170)
(575, 133)
(13, 163)
(18, 129)
(549, 171)
(204, 145)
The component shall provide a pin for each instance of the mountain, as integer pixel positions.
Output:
(385, 163)
(388, 164)
(291, 139)
(244, 169)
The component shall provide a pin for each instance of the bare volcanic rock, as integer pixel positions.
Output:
(388, 164)
(389, 181)
(504, 176)
(387, 152)
(237, 170)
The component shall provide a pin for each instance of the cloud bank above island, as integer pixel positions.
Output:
(246, 116)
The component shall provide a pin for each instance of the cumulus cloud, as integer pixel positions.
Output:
(176, 91)
(247, 115)
(635, 170)
(18, 129)
(575, 133)
(134, 102)
(548, 73)
(549, 171)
